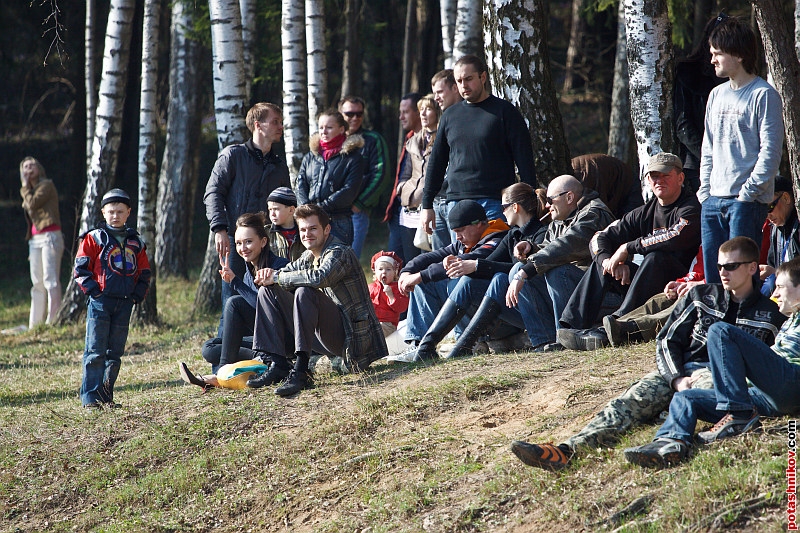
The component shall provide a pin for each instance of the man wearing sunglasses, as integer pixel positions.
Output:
(681, 354)
(784, 244)
(377, 177)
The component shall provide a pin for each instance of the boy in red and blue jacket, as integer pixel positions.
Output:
(112, 269)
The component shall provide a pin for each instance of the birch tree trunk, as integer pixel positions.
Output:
(249, 12)
(317, 66)
(619, 124)
(295, 109)
(147, 311)
(575, 33)
(351, 79)
(797, 27)
(178, 179)
(408, 48)
(469, 29)
(229, 110)
(90, 71)
(519, 67)
(651, 76)
(448, 12)
(108, 128)
(784, 66)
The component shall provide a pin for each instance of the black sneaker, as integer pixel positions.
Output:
(275, 374)
(296, 382)
(582, 340)
(546, 456)
(730, 426)
(620, 332)
(659, 453)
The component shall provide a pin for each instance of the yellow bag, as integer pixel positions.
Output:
(235, 375)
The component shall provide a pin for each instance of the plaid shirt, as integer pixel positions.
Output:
(338, 274)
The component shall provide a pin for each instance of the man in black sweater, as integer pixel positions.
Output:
(478, 143)
(665, 231)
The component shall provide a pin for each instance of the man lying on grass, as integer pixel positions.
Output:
(681, 354)
(735, 357)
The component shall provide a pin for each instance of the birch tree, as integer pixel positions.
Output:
(177, 181)
(295, 110)
(108, 128)
(784, 66)
(248, 11)
(519, 67)
(619, 124)
(317, 65)
(650, 69)
(469, 29)
(229, 111)
(146, 312)
(448, 11)
(89, 76)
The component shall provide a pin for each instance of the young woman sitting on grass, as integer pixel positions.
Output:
(252, 244)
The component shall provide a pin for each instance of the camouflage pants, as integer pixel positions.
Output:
(641, 403)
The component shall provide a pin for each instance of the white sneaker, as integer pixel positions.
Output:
(409, 355)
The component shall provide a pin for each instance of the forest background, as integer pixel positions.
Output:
(378, 49)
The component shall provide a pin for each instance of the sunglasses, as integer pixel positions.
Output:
(771, 205)
(503, 207)
(730, 267)
(551, 198)
(352, 114)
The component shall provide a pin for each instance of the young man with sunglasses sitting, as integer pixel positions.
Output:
(681, 354)
(784, 241)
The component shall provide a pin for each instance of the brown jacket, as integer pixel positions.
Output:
(41, 205)
(412, 181)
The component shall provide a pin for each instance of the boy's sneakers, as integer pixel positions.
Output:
(659, 453)
(546, 456)
(729, 426)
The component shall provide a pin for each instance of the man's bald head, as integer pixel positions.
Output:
(563, 194)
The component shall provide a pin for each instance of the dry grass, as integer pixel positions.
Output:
(394, 449)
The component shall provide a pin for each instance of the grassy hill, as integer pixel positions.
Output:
(398, 448)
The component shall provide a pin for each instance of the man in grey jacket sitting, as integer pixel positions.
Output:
(557, 265)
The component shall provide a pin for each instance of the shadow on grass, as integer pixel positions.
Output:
(19, 400)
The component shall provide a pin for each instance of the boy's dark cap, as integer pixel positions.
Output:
(783, 184)
(465, 213)
(283, 195)
(116, 196)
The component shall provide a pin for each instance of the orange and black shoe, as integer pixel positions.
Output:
(546, 456)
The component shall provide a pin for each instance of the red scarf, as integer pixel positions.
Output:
(332, 147)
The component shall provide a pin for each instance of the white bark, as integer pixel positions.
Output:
(469, 29)
(317, 66)
(650, 72)
(147, 311)
(295, 110)
(178, 178)
(797, 27)
(448, 12)
(248, 11)
(519, 67)
(619, 123)
(108, 128)
(228, 71)
(91, 94)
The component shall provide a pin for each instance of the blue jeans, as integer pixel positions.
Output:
(395, 236)
(360, 229)
(725, 218)
(535, 306)
(236, 264)
(424, 304)
(735, 356)
(107, 321)
(561, 283)
(342, 228)
(441, 235)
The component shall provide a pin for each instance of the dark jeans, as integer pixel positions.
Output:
(407, 237)
(236, 263)
(238, 321)
(107, 321)
(212, 350)
(649, 278)
(307, 317)
(342, 228)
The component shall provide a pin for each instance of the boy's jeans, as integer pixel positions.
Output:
(107, 321)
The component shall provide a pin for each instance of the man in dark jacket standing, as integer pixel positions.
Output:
(242, 179)
(665, 231)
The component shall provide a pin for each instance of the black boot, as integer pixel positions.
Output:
(296, 382)
(277, 372)
(446, 320)
(481, 323)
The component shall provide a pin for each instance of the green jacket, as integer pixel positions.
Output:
(338, 274)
